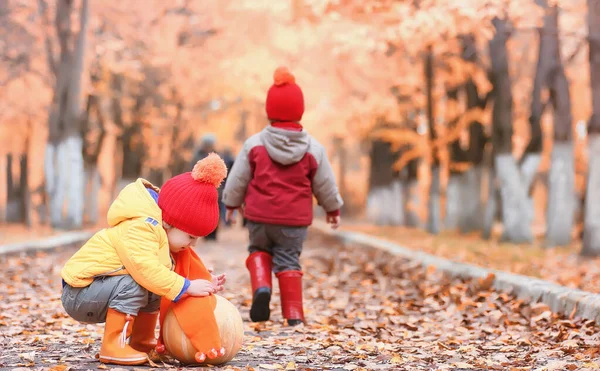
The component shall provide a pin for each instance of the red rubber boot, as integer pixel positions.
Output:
(259, 265)
(290, 287)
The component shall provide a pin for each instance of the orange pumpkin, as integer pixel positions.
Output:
(231, 328)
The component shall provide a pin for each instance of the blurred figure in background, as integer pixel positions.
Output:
(228, 158)
(207, 145)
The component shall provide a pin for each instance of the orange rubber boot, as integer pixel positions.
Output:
(114, 348)
(143, 337)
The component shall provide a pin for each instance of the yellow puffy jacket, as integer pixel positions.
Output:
(135, 244)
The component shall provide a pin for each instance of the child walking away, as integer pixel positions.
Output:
(121, 273)
(274, 178)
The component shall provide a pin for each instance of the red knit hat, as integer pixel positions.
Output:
(189, 201)
(285, 101)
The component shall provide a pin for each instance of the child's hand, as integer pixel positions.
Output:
(219, 281)
(201, 288)
(334, 221)
(230, 216)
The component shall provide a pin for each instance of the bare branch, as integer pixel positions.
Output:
(43, 12)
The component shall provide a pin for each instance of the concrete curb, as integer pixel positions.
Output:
(53, 242)
(559, 298)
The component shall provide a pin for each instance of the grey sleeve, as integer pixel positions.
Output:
(323, 183)
(240, 175)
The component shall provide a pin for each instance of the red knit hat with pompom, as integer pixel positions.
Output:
(285, 101)
(189, 201)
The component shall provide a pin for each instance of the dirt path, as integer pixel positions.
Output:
(366, 311)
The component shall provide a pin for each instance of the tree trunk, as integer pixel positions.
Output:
(3, 187)
(453, 205)
(591, 226)
(90, 156)
(591, 234)
(457, 156)
(182, 139)
(384, 201)
(411, 197)
(433, 203)
(133, 152)
(561, 188)
(36, 143)
(107, 172)
(516, 205)
(492, 203)
(342, 162)
(22, 195)
(64, 153)
(92, 189)
(110, 114)
(473, 206)
(470, 198)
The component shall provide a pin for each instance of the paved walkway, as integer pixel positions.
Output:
(366, 311)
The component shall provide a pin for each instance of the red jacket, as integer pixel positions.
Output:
(276, 174)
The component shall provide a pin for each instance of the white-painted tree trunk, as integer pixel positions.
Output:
(55, 185)
(385, 205)
(375, 210)
(434, 207)
(591, 235)
(454, 203)
(517, 206)
(397, 200)
(64, 169)
(491, 206)
(412, 205)
(65, 182)
(471, 205)
(76, 183)
(560, 212)
(529, 170)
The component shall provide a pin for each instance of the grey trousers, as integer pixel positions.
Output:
(89, 304)
(282, 242)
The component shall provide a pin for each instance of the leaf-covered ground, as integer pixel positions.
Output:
(366, 311)
(560, 265)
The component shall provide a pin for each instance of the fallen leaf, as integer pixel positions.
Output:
(60, 368)
(396, 359)
(462, 365)
(152, 363)
(572, 343)
(544, 316)
(592, 365)
(553, 366)
(28, 356)
(274, 366)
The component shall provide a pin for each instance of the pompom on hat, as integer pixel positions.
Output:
(285, 101)
(189, 201)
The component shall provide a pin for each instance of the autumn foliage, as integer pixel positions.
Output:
(446, 84)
